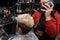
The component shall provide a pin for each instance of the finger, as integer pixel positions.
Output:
(45, 6)
(34, 10)
(52, 5)
(43, 10)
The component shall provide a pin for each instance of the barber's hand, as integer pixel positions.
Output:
(47, 10)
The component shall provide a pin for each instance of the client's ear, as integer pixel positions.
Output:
(17, 27)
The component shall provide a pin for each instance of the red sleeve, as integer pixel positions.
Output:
(36, 17)
(52, 27)
(57, 15)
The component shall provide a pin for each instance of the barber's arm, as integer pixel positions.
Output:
(51, 28)
(36, 16)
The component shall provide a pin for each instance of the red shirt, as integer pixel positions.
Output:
(52, 26)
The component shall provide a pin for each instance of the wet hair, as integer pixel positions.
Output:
(24, 28)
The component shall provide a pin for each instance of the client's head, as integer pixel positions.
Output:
(25, 23)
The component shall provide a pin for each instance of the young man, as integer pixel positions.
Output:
(51, 24)
(24, 27)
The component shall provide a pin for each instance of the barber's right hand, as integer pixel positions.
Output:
(48, 9)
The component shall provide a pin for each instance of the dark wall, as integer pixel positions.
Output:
(10, 29)
(57, 1)
(3, 2)
(7, 2)
(11, 2)
(57, 5)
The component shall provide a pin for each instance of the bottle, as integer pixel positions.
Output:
(9, 12)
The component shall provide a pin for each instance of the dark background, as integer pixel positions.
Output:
(13, 2)
(7, 2)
